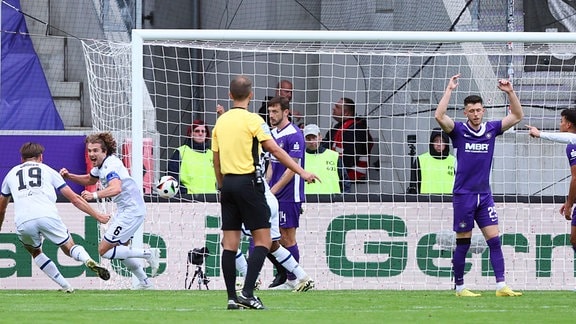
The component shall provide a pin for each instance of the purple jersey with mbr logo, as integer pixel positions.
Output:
(291, 140)
(474, 151)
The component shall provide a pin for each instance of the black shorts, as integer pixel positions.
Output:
(243, 201)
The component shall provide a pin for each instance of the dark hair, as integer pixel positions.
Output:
(240, 87)
(195, 124)
(348, 105)
(106, 141)
(282, 101)
(570, 115)
(472, 99)
(30, 150)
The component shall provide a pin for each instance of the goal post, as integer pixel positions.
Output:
(378, 236)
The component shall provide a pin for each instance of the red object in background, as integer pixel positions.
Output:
(148, 161)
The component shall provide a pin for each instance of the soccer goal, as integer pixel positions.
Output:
(378, 236)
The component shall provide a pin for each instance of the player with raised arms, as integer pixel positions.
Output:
(472, 199)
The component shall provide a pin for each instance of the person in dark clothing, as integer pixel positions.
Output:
(351, 138)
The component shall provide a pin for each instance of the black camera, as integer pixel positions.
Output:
(196, 256)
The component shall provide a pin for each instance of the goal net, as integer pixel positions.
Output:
(380, 235)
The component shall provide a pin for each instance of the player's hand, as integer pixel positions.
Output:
(533, 131)
(310, 177)
(505, 85)
(64, 173)
(566, 210)
(87, 195)
(453, 83)
(103, 218)
(220, 110)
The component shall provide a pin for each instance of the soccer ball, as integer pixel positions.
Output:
(167, 187)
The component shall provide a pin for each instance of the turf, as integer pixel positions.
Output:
(350, 306)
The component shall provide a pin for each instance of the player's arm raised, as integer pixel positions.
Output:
(83, 179)
(445, 122)
(516, 113)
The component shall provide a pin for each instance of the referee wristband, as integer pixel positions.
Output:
(95, 195)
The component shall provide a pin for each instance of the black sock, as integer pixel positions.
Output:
(229, 271)
(255, 262)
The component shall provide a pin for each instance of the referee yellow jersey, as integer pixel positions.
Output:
(233, 137)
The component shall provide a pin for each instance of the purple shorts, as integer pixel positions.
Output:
(573, 222)
(470, 208)
(289, 214)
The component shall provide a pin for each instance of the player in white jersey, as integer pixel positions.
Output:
(122, 189)
(32, 186)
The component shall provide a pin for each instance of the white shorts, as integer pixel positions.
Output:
(53, 229)
(274, 218)
(123, 227)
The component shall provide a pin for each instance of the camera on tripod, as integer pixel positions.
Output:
(196, 257)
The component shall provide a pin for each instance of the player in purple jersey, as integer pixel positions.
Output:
(472, 200)
(568, 136)
(287, 186)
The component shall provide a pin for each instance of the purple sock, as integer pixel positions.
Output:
(459, 260)
(250, 245)
(496, 257)
(296, 254)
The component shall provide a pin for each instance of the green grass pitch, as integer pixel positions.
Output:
(340, 306)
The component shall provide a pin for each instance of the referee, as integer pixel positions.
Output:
(236, 142)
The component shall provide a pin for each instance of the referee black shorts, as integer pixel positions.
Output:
(243, 201)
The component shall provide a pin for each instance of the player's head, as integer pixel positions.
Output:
(99, 146)
(278, 111)
(240, 88)
(439, 143)
(343, 109)
(284, 89)
(568, 120)
(474, 110)
(312, 136)
(31, 151)
(198, 131)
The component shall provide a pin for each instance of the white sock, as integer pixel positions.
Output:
(78, 253)
(50, 269)
(135, 266)
(123, 252)
(241, 263)
(459, 288)
(500, 285)
(289, 263)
